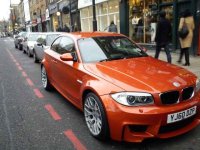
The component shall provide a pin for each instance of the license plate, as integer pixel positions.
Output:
(181, 115)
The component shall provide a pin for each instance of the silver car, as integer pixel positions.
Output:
(44, 41)
(29, 41)
(18, 39)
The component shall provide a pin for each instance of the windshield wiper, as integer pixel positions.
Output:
(107, 59)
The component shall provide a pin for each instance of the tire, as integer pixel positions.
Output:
(15, 46)
(95, 115)
(23, 50)
(20, 47)
(28, 52)
(45, 81)
(35, 57)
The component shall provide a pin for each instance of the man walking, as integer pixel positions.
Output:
(162, 38)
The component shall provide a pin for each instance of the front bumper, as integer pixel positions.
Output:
(134, 124)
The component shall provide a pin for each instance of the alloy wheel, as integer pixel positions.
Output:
(93, 116)
(35, 57)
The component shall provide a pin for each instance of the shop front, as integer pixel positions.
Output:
(47, 20)
(71, 16)
(106, 11)
(139, 18)
(143, 20)
(65, 16)
(54, 20)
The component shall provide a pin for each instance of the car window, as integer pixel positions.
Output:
(90, 50)
(108, 48)
(33, 37)
(66, 45)
(24, 34)
(56, 44)
(50, 38)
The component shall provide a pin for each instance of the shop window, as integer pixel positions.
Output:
(103, 8)
(105, 13)
(84, 13)
(113, 6)
(143, 20)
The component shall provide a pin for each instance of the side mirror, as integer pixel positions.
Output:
(66, 57)
(144, 49)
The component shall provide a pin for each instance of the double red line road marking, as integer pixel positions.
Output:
(68, 133)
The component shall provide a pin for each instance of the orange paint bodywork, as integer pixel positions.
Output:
(144, 74)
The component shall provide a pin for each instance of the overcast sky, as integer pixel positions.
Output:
(5, 8)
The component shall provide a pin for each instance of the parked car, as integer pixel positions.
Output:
(43, 42)
(29, 42)
(124, 93)
(18, 39)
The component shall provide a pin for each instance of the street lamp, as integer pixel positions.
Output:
(94, 16)
(59, 15)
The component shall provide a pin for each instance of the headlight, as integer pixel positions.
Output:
(133, 98)
(197, 85)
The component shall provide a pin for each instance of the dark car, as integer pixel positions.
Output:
(43, 42)
(18, 39)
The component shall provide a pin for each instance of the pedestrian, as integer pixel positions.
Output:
(185, 43)
(140, 28)
(112, 27)
(66, 28)
(163, 33)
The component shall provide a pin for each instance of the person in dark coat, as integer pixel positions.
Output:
(112, 27)
(162, 38)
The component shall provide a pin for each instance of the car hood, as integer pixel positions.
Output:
(142, 74)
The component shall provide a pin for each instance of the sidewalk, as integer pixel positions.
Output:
(194, 61)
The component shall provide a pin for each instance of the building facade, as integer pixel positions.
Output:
(21, 17)
(106, 11)
(38, 15)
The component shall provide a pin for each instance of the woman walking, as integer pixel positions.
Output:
(188, 21)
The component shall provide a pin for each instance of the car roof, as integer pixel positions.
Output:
(79, 35)
(47, 33)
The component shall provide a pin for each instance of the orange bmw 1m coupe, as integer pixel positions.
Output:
(124, 93)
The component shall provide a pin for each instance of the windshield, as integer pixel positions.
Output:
(108, 48)
(21, 33)
(33, 37)
(51, 38)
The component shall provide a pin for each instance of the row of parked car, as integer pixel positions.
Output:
(34, 43)
(124, 93)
